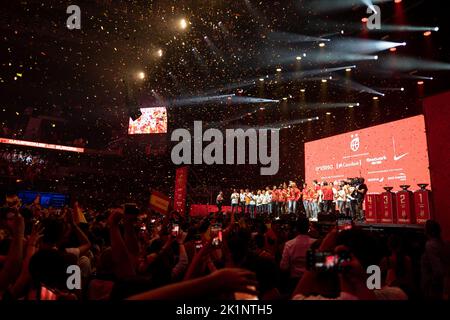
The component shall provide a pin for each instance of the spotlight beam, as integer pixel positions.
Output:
(251, 100)
(294, 38)
(182, 102)
(355, 86)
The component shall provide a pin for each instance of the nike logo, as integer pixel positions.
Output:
(396, 158)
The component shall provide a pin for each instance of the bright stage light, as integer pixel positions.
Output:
(348, 69)
(393, 49)
(420, 83)
(398, 1)
(328, 113)
(183, 24)
(324, 80)
(322, 44)
(298, 58)
(402, 89)
(436, 29)
(427, 33)
(375, 98)
(302, 90)
(159, 53)
(141, 75)
(278, 69)
(375, 57)
(351, 106)
(261, 79)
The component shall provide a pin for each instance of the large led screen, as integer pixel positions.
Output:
(391, 154)
(152, 120)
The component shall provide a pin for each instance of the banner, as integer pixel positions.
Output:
(179, 204)
(159, 202)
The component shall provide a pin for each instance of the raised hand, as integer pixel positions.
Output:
(235, 280)
(115, 216)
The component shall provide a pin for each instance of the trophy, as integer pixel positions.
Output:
(423, 204)
(405, 206)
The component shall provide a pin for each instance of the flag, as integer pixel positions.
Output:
(159, 202)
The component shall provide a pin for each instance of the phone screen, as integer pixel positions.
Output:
(175, 230)
(344, 224)
(198, 245)
(216, 235)
(48, 294)
(245, 296)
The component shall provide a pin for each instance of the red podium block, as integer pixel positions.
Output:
(405, 206)
(371, 208)
(386, 212)
(422, 204)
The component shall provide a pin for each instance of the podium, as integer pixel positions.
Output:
(422, 204)
(405, 206)
(387, 208)
(371, 208)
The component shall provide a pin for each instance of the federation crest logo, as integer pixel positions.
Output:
(354, 144)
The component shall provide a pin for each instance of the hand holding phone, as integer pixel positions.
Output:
(344, 224)
(216, 235)
(175, 230)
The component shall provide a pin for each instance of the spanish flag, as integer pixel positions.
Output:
(159, 202)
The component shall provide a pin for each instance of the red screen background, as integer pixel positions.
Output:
(391, 154)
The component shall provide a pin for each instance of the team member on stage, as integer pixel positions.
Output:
(252, 197)
(247, 201)
(269, 200)
(328, 196)
(314, 198)
(306, 200)
(297, 196)
(242, 201)
(291, 200)
(275, 200)
(234, 201)
(341, 199)
(285, 193)
(263, 201)
(280, 199)
(219, 201)
(258, 202)
(361, 191)
(351, 201)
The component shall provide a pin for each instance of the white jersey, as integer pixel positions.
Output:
(242, 197)
(268, 196)
(259, 199)
(234, 198)
(252, 198)
(264, 198)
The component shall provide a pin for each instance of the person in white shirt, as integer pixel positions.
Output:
(341, 199)
(252, 204)
(269, 200)
(263, 202)
(234, 201)
(242, 201)
(258, 202)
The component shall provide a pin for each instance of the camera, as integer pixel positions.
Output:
(326, 261)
